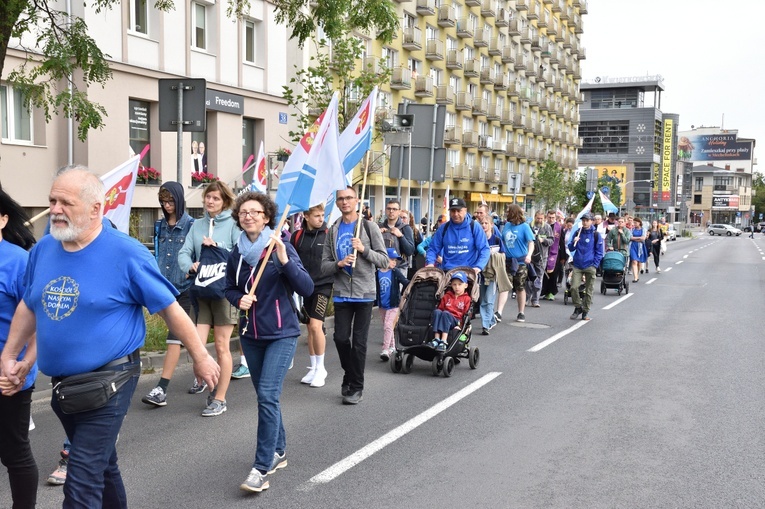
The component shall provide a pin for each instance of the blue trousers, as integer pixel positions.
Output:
(443, 321)
(488, 296)
(269, 361)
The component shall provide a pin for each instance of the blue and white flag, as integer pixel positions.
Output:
(316, 180)
(578, 220)
(356, 139)
(608, 206)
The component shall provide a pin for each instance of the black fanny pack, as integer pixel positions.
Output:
(93, 390)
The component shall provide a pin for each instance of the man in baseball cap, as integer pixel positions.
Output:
(459, 242)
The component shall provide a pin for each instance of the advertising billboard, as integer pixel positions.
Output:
(725, 202)
(666, 160)
(616, 174)
(713, 147)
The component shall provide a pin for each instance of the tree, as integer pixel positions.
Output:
(550, 186)
(63, 53)
(758, 200)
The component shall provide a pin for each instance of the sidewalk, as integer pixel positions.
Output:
(151, 362)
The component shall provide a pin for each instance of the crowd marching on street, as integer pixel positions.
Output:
(234, 269)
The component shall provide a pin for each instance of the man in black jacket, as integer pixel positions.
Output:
(309, 244)
(398, 235)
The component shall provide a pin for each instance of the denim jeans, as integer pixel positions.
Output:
(93, 478)
(269, 361)
(351, 331)
(488, 296)
(15, 452)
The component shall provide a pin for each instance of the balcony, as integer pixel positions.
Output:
(557, 5)
(554, 54)
(520, 62)
(544, 19)
(501, 82)
(502, 19)
(488, 9)
(426, 7)
(434, 50)
(566, 39)
(494, 49)
(525, 35)
(485, 143)
(515, 27)
(533, 11)
(401, 79)
(473, 3)
(444, 94)
(510, 149)
(373, 65)
(508, 54)
(494, 112)
(399, 1)
(446, 16)
(582, 4)
(454, 59)
(452, 135)
(582, 53)
(479, 174)
(506, 118)
(464, 101)
(423, 86)
(487, 76)
(462, 171)
(553, 30)
(480, 107)
(520, 151)
(521, 5)
(412, 38)
(498, 147)
(566, 13)
(519, 121)
(470, 139)
(482, 37)
(464, 29)
(512, 89)
(471, 68)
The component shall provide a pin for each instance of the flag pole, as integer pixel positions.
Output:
(270, 249)
(363, 193)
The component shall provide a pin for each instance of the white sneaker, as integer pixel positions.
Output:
(658, 269)
(308, 378)
(319, 378)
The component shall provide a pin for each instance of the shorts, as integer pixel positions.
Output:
(519, 278)
(316, 305)
(185, 303)
(214, 312)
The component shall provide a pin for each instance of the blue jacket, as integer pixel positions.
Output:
(273, 316)
(588, 250)
(168, 241)
(463, 245)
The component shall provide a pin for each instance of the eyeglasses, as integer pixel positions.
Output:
(391, 208)
(251, 213)
(344, 198)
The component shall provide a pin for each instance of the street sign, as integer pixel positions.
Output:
(629, 205)
(194, 105)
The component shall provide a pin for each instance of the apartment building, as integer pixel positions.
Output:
(243, 62)
(508, 73)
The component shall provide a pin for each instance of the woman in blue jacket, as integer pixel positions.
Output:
(269, 326)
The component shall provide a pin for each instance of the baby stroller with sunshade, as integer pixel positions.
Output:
(413, 330)
(614, 266)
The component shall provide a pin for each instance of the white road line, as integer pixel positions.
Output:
(556, 337)
(650, 281)
(365, 452)
(678, 263)
(668, 269)
(619, 301)
(684, 257)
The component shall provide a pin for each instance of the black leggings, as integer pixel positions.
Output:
(15, 452)
(656, 251)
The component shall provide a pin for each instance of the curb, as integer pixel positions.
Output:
(151, 362)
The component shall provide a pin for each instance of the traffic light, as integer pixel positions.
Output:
(651, 181)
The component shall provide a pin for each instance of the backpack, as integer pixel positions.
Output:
(299, 233)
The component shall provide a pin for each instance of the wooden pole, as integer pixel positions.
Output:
(269, 250)
(361, 203)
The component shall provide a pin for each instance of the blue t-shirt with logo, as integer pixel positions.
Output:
(516, 238)
(385, 280)
(88, 304)
(345, 232)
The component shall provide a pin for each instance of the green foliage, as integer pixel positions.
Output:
(758, 200)
(329, 70)
(337, 18)
(579, 194)
(550, 187)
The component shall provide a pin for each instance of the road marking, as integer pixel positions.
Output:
(667, 270)
(556, 337)
(618, 301)
(684, 257)
(365, 452)
(678, 263)
(650, 281)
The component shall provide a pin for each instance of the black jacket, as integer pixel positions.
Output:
(309, 245)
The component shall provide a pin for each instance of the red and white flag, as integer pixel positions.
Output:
(120, 185)
(260, 177)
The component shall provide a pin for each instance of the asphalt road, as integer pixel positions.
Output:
(656, 402)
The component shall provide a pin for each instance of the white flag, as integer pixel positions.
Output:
(120, 185)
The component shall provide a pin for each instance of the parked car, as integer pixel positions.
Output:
(723, 229)
(671, 232)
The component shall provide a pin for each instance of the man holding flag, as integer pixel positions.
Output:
(586, 248)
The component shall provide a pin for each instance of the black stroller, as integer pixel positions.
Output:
(569, 269)
(614, 273)
(413, 332)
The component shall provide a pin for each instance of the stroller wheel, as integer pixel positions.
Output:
(473, 358)
(436, 365)
(396, 362)
(406, 366)
(448, 366)
(603, 288)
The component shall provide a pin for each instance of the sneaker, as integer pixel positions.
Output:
(384, 356)
(658, 269)
(308, 378)
(521, 318)
(216, 407)
(241, 372)
(354, 398)
(345, 390)
(492, 325)
(441, 347)
(255, 482)
(535, 304)
(280, 461)
(58, 476)
(498, 316)
(584, 316)
(576, 313)
(157, 397)
(31, 423)
(198, 389)
(319, 378)
(513, 295)
(485, 332)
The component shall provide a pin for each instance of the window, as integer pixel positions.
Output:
(249, 41)
(696, 199)
(699, 184)
(139, 16)
(199, 24)
(139, 128)
(16, 117)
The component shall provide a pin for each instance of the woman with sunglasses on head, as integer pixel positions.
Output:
(637, 247)
(269, 327)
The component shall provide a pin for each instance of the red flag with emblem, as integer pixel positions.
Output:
(118, 199)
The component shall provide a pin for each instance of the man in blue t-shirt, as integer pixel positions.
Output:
(519, 248)
(86, 287)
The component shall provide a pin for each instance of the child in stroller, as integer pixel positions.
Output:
(450, 311)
